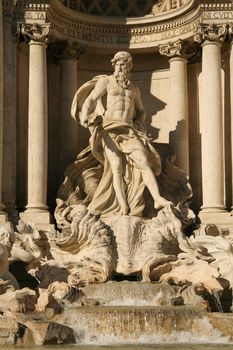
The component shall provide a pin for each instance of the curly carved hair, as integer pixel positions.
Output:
(122, 55)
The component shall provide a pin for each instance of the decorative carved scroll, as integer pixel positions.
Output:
(178, 48)
(35, 32)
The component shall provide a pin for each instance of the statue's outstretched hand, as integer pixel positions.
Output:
(83, 120)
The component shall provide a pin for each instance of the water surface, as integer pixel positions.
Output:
(127, 347)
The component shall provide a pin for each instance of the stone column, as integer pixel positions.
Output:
(3, 216)
(211, 121)
(231, 102)
(37, 209)
(69, 53)
(178, 53)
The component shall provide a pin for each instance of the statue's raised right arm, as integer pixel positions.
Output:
(89, 104)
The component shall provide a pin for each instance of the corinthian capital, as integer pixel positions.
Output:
(177, 48)
(35, 32)
(210, 32)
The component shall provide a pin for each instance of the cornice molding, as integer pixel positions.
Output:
(133, 33)
(146, 33)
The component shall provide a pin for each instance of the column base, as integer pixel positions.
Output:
(4, 220)
(42, 219)
(222, 218)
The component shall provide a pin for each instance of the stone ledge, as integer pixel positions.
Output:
(42, 220)
(215, 218)
(8, 330)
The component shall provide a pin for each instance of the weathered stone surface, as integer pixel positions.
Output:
(109, 227)
(8, 330)
(42, 333)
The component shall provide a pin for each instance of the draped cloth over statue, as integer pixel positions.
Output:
(125, 140)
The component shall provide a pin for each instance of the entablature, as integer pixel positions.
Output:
(169, 20)
(137, 33)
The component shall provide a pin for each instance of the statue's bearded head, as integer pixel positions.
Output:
(122, 63)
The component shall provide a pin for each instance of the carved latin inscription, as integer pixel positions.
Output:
(217, 15)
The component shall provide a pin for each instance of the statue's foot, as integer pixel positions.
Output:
(161, 203)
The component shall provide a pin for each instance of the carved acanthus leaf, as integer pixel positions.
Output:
(35, 32)
(210, 32)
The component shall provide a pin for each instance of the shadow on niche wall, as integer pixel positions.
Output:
(153, 105)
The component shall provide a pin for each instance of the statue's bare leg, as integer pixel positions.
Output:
(151, 183)
(115, 160)
(149, 178)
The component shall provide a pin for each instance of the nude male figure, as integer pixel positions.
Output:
(124, 105)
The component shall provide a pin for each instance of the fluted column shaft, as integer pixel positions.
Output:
(211, 119)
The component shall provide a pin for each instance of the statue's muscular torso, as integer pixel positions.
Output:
(120, 101)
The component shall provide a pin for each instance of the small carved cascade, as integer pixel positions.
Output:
(130, 8)
(131, 324)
